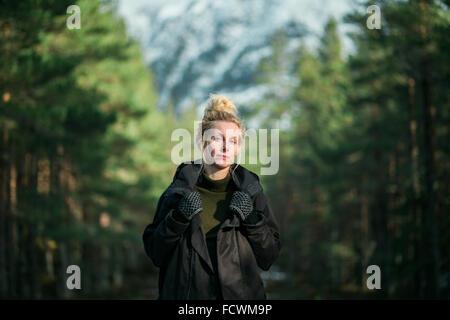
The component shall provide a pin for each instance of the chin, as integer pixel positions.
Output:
(222, 164)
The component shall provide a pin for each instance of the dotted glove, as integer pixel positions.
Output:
(189, 206)
(242, 204)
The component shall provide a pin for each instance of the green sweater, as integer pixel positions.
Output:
(216, 196)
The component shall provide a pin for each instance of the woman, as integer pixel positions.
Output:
(213, 226)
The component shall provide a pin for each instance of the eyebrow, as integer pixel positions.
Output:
(233, 136)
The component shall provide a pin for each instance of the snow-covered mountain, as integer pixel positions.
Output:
(195, 47)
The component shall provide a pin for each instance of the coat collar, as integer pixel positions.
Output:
(187, 174)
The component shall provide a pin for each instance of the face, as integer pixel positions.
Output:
(221, 144)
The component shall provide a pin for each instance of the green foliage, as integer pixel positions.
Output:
(362, 173)
(83, 135)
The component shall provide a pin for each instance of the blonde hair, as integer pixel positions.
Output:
(219, 108)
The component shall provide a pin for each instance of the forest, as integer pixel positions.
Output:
(364, 162)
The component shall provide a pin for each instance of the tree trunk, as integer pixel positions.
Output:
(32, 227)
(428, 108)
(5, 216)
(414, 210)
(431, 239)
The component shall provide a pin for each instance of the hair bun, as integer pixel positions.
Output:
(219, 108)
(221, 103)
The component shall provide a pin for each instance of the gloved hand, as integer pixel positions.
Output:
(242, 204)
(189, 205)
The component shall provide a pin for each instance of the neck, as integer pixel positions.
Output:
(216, 173)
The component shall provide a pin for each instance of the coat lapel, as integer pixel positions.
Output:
(198, 241)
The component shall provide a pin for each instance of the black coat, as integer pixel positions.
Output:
(180, 250)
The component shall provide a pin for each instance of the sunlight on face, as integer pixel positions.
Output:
(221, 143)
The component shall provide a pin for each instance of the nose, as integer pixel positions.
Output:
(226, 146)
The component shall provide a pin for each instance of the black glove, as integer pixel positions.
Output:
(242, 204)
(189, 206)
